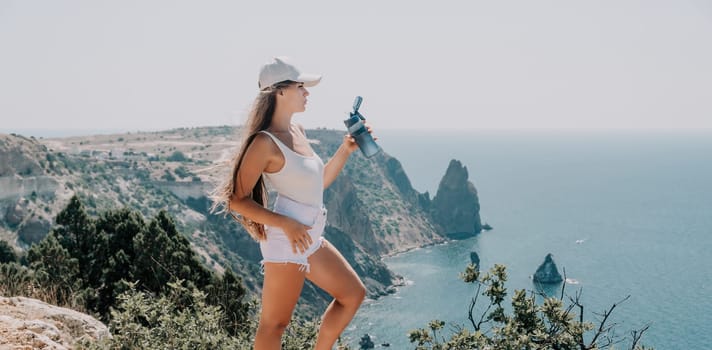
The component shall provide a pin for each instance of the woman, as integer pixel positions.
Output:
(290, 236)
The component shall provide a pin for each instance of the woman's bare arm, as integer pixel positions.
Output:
(333, 167)
(263, 155)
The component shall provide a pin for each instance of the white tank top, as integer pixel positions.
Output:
(301, 178)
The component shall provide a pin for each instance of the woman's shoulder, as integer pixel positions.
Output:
(263, 142)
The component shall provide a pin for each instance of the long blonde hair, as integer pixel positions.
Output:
(259, 118)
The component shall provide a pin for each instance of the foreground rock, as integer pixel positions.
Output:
(31, 324)
(547, 273)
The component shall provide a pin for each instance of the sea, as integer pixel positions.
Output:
(623, 213)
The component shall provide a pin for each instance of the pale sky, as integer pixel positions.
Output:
(160, 64)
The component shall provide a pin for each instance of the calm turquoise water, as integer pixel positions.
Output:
(640, 201)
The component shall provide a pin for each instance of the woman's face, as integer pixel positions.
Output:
(293, 97)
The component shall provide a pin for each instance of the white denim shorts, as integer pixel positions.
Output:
(277, 248)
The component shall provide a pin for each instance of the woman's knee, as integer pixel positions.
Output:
(360, 292)
(271, 326)
(355, 295)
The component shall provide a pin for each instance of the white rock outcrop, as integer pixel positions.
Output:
(32, 324)
(13, 187)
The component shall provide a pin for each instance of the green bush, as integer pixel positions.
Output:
(177, 156)
(179, 319)
(168, 176)
(182, 172)
(183, 318)
(7, 254)
(16, 279)
(551, 325)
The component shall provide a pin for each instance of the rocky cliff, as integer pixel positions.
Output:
(28, 185)
(456, 207)
(374, 202)
(14, 157)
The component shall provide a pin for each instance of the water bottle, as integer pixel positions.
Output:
(358, 131)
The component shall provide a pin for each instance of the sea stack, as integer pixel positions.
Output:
(366, 342)
(475, 259)
(547, 273)
(456, 207)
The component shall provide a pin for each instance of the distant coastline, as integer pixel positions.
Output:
(59, 133)
(76, 132)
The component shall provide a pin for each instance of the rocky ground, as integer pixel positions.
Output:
(27, 324)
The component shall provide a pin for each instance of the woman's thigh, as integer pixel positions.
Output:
(282, 285)
(331, 272)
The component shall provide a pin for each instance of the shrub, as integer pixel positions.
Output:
(16, 280)
(168, 176)
(182, 172)
(7, 253)
(184, 319)
(177, 156)
(551, 325)
(179, 319)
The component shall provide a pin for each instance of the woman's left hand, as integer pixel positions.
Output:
(350, 142)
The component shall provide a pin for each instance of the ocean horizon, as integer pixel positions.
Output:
(74, 132)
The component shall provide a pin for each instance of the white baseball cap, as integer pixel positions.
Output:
(280, 69)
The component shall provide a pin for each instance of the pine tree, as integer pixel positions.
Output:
(163, 255)
(75, 231)
(229, 293)
(115, 255)
(55, 269)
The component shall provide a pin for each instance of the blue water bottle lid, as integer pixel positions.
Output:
(357, 104)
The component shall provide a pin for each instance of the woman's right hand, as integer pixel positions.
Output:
(297, 234)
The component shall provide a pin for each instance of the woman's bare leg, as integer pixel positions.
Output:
(332, 273)
(280, 291)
